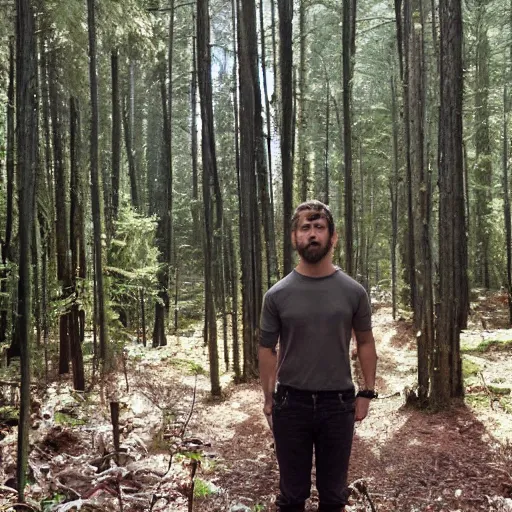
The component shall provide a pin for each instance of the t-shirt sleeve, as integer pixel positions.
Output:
(270, 323)
(362, 320)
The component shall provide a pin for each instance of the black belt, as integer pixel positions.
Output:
(345, 394)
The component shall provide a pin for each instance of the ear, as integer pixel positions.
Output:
(294, 240)
(334, 239)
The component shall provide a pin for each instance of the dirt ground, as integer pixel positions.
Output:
(403, 459)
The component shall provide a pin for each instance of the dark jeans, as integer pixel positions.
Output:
(303, 420)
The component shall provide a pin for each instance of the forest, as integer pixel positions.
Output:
(151, 156)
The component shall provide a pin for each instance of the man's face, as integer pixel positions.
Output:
(311, 238)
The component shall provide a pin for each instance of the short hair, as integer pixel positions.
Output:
(319, 208)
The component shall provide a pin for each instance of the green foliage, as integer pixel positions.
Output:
(132, 268)
(488, 346)
(48, 504)
(469, 368)
(203, 489)
(66, 419)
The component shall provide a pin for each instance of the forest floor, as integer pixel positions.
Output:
(403, 459)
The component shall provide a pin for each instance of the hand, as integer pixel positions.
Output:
(267, 411)
(362, 406)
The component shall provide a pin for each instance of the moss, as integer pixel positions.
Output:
(8, 413)
(498, 390)
(203, 489)
(488, 346)
(478, 401)
(65, 419)
(469, 368)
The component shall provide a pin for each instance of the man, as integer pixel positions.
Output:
(311, 313)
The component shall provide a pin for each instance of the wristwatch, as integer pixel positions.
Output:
(367, 393)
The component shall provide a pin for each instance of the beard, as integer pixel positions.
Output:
(313, 252)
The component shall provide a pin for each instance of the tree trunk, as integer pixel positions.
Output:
(61, 221)
(285, 8)
(268, 209)
(193, 131)
(483, 164)
(421, 197)
(162, 232)
(77, 243)
(116, 142)
(506, 203)
(325, 195)
(209, 176)
(348, 16)
(6, 244)
(447, 373)
(403, 29)
(303, 164)
(132, 171)
(170, 112)
(393, 188)
(95, 181)
(26, 110)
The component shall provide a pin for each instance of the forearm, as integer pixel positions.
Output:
(367, 358)
(268, 367)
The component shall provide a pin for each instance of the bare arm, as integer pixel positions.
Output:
(368, 359)
(268, 367)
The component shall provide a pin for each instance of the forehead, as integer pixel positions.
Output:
(311, 216)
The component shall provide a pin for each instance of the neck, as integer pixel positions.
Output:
(321, 269)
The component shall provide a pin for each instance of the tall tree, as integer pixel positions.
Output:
(403, 29)
(483, 164)
(95, 180)
(250, 147)
(285, 8)
(116, 140)
(421, 194)
(61, 202)
(348, 36)
(209, 173)
(453, 288)
(6, 243)
(76, 318)
(26, 110)
(303, 164)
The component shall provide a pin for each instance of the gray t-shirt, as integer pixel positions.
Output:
(312, 318)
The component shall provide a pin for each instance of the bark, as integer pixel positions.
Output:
(62, 219)
(95, 181)
(26, 110)
(285, 8)
(325, 195)
(6, 244)
(250, 163)
(421, 198)
(410, 242)
(132, 171)
(193, 131)
(506, 203)
(170, 96)
(483, 165)
(233, 267)
(77, 243)
(162, 232)
(348, 16)
(209, 176)
(393, 186)
(268, 209)
(303, 164)
(116, 141)
(447, 374)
